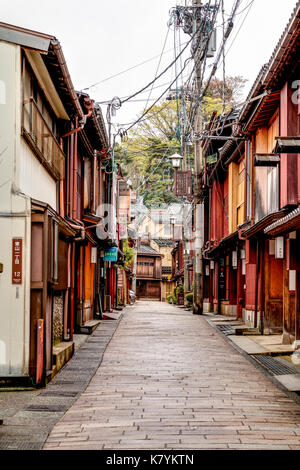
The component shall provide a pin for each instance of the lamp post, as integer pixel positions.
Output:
(173, 221)
(176, 162)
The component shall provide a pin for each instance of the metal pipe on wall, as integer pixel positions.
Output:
(262, 287)
(72, 291)
(257, 281)
(75, 164)
(71, 174)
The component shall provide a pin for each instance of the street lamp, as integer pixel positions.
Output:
(173, 221)
(176, 162)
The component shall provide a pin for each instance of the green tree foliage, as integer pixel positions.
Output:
(128, 252)
(141, 156)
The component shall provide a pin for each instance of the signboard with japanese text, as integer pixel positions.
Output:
(222, 279)
(93, 255)
(123, 209)
(111, 254)
(17, 260)
(184, 183)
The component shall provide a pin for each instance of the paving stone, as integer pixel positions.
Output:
(29, 416)
(168, 380)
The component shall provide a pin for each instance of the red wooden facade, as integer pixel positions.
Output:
(251, 263)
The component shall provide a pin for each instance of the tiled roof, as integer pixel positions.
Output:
(147, 250)
(269, 70)
(163, 241)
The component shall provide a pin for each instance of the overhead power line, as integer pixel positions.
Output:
(165, 69)
(198, 31)
(126, 70)
(149, 109)
(230, 25)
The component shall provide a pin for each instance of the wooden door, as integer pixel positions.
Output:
(274, 294)
(153, 290)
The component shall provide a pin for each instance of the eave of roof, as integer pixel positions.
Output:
(53, 57)
(283, 47)
(58, 70)
(25, 37)
(259, 226)
(223, 243)
(290, 222)
(270, 74)
(265, 111)
(95, 123)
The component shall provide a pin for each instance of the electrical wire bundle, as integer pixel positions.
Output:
(199, 23)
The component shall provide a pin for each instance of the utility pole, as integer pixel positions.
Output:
(197, 21)
(198, 201)
(186, 256)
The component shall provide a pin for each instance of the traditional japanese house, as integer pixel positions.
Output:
(87, 193)
(38, 103)
(225, 185)
(271, 122)
(164, 246)
(148, 272)
(54, 176)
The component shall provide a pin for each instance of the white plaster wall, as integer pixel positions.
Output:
(34, 180)
(14, 221)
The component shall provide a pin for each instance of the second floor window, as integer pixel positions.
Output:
(32, 90)
(39, 125)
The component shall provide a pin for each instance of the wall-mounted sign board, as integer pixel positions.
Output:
(111, 254)
(17, 249)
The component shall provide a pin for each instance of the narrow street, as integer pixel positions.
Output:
(168, 380)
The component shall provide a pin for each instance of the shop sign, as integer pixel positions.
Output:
(17, 260)
(222, 279)
(234, 259)
(279, 247)
(93, 255)
(111, 254)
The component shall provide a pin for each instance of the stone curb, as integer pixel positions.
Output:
(267, 373)
(28, 426)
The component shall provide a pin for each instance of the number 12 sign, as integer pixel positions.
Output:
(17, 260)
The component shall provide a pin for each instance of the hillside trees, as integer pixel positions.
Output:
(144, 155)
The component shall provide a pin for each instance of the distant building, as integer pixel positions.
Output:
(164, 247)
(148, 273)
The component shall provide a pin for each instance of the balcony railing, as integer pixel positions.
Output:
(42, 140)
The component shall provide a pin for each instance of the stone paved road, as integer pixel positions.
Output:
(168, 380)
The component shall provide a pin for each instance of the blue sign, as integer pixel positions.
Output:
(111, 254)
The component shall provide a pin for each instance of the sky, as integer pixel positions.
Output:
(103, 38)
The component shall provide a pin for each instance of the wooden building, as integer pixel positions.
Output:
(58, 179)
(148, 273)
(224, 206)
(164, 246)
(251, 253)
